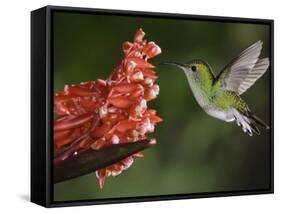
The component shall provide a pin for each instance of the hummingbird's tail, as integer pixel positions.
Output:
(249, 122)
(258, 121)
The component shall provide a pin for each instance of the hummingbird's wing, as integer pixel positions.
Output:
(244, 70)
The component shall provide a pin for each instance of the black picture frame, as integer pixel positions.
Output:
(42, 105)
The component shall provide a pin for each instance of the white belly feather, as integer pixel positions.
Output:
(222, 115)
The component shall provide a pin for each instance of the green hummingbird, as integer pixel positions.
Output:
(219, 96)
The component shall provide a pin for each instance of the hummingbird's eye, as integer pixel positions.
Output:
(193, 68)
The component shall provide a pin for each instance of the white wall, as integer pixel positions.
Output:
(15, 99)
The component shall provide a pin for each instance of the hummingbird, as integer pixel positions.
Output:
(219, 96)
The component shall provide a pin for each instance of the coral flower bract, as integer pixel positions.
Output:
(96, 114)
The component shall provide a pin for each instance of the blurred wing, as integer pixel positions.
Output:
(253, 75)
(244, 70)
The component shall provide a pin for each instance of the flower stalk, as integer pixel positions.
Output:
(91, 160)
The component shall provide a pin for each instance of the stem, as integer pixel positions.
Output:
(90, 160)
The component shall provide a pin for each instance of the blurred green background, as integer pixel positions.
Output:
(195, 152)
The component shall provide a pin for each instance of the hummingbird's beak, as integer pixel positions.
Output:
(179, 65)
